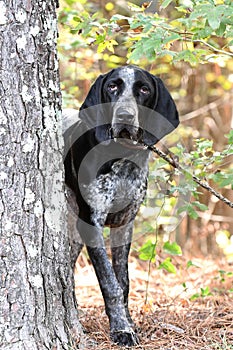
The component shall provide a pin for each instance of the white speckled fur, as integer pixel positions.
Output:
(106, 163)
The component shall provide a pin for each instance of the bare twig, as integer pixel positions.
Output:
(173, 162)
(213, 48)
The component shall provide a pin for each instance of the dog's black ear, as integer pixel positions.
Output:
(94, 110)
(165, 104)
(94, 96)
(164, 118)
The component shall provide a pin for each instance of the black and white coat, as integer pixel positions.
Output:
(106, 167)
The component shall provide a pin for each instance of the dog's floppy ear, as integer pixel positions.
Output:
(164, 118)
(94, 96)
(165, 104)
(94, 110)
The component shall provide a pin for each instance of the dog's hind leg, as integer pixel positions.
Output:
(75, 240)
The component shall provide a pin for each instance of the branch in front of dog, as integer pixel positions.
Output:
(169, 158)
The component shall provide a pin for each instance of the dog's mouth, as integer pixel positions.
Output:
(127, 135)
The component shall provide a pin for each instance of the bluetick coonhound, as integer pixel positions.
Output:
(106, 169)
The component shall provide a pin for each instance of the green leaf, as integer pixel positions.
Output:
(189, 209)
(204, 144)
(171, 38)
(147, 251)
(223, 179)
(165, 3)
(172, 248)
(187, 56)
(221, 30)
(137, 52)
(201, 11)
(205, 292)
(195, 296)
(100, 39)
(168, 266)
(203, 33)
(77, 19)
(135, 8)
(214, 19)
(190, 263)
(200, 206)
(230, 137)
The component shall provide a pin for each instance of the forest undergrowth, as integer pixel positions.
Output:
(191, 310)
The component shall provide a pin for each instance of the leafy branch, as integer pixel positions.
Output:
(213, 48)
(202, 22)
(169, 158)
(196, 33)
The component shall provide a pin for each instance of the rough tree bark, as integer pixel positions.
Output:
(37, 307)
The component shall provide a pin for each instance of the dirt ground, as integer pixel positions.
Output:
(165, 316)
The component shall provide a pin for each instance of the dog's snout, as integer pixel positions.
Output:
(125, 117)
(124, 114)
(125, 122)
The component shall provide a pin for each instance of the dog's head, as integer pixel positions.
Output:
(131, 105)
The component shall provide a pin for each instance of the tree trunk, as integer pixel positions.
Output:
(37, 307)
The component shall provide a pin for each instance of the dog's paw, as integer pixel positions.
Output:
(124, 338)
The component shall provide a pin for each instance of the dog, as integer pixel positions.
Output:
(106, 168)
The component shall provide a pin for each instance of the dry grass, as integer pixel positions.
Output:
(169, 320)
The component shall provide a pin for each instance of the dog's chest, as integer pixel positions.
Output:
(115, 197)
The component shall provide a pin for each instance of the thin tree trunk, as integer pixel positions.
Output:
(37, 307)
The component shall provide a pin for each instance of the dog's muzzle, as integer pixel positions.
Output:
(125, 123)
(125, 131)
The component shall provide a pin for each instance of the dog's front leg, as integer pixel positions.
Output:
(120, 246)
(120, 328)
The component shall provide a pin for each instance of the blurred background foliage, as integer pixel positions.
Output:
(189, 44)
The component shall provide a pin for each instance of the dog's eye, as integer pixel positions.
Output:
(144, 90)
(112, 87)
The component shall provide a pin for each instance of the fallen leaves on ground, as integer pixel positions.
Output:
(165, 316)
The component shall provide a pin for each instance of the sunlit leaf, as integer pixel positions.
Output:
(189, 209)
(135, 8)
(111, 44)
(214, 19)
(168, 266)
(190, 263)
(172, 248)
(101, 47)
(223, 178)
(165, 3)
(147, 251)
(195, 296)
(200, 206)
(205, 292)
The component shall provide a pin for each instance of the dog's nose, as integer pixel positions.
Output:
(124, 115)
